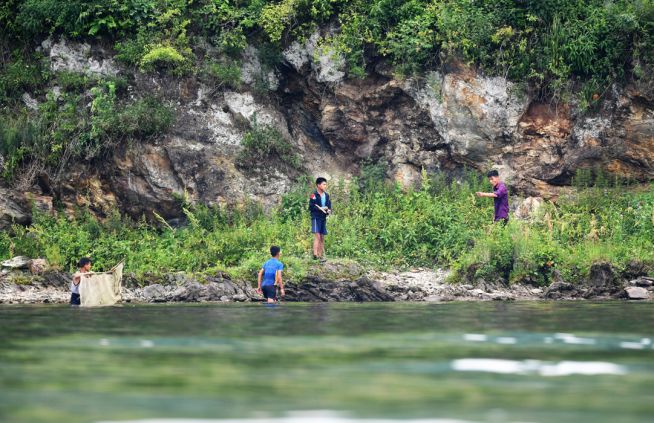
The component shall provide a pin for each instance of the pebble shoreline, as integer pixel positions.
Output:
(334, 282)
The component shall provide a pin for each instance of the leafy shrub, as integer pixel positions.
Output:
(72, 81)
(18, 135)
(21, 75)
(138, 120)
(226, 75)
(65, 126)
(263, 143)
(132, 50)
(144, 118)
(8, 12)
(536, 256)
(164, 57)
(294, 203)
(276, 17)
(373, 175)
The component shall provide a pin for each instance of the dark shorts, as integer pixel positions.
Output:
(74, 299)
(269, 291)
(319, 226)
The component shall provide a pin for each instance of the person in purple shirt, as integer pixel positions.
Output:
(500, 196)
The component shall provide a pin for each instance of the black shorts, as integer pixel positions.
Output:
(269, 291)
(74, 299)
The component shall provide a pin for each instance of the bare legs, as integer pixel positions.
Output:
(318, 245)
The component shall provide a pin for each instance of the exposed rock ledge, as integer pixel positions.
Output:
(329, 282)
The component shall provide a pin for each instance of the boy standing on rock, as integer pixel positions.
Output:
(320, 207)
(500, 196)
(271, 275)
(84, 267)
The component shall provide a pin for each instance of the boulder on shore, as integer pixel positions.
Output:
(637, 293)
(18, 262)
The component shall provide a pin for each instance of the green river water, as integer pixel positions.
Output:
(329, 362)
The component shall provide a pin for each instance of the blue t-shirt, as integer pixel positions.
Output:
(322, 199)
(270, 268)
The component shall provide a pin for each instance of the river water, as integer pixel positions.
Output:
(329, 362)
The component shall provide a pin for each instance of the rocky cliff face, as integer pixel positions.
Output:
(446, 121)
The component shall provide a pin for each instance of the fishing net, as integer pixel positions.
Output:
(101, 289)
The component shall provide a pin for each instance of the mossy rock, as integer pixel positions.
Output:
(336, 270)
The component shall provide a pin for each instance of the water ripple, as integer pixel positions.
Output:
(527, 367)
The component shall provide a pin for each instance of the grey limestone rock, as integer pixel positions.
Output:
(637, 293)
(18, 262)
(154, 293)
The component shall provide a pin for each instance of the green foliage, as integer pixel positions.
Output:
(494, 257)
(294, 203)
(102, 112)
(18, 135)
(535, 255)
(226, 24)
(77, 18)
(65, 129)
(144, 118)
(597, 224)
(548, 43)
(132, 50)
(263, 143)
(276, 17)
(164, 57)
(73, 81)
(110, 125)
(439, 223)
(226, 75)
(8, 12)
(158, 37)
(555, 45)
(598, 178)
(62, 126)
(270, 56)
(373, 175)
(22, 74)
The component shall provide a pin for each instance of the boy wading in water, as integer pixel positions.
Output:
(500, 197)
(271, 275)
(84, 267)
(320, 207)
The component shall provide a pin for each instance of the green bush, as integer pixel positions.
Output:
(18, 136)
(164, 57)
(22, 75)
(227, 75)
(276, 17)
(144, 118)
(8, 12)
(263, 143)
(132, 50)
(73, 81)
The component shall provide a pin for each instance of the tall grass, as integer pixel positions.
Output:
(440, 223)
